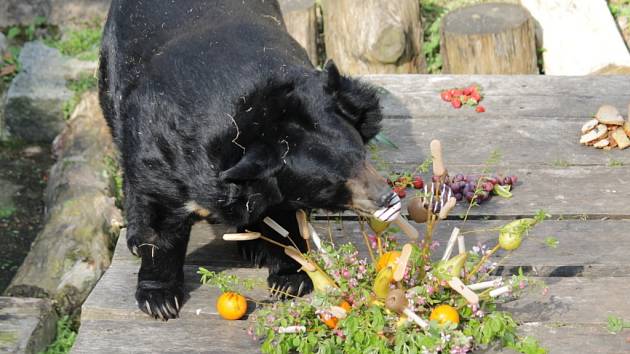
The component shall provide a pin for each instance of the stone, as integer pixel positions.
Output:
(27, 325)
(57, 12)
(75, 245)
(32, 151)
(33, 110)
(4, 46)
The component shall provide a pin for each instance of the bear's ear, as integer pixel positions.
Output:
(258, 162)
(334, 77)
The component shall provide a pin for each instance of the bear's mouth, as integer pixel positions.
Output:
(372, 197)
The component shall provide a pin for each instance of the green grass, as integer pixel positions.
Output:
(66, 335)
(615, 163)
(82, 44)
(79, 87)
(113, 171)
(6, 212)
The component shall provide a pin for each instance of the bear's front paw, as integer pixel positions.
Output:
(159, 300)
(296, 284)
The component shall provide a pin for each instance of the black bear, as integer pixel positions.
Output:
(218, 113)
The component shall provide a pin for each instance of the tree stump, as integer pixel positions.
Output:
(300, 18)
(374, 36)
(489, 38)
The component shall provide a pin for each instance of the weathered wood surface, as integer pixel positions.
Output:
(374, 36)
(587, 274)
(510, 96)
(210, 335)
(300, 19)
(579, 37)
(489, 38)
(27, 325)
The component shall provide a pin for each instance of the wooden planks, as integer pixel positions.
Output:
(517, 96)
(524, 142)
(179, 336)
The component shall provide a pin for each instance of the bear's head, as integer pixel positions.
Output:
(303, 140)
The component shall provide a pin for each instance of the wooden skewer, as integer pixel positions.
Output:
(438, 163)
(450, 204)
(399, 273)
(500, 291)
(302, 220)
(298, 257)
(316, 239)
(461, 244)
(406, 227)
(291, 329)
(485, 285)
(274, 225)
(459, 286)
(243, 236)
(338, 312)
(451, 243)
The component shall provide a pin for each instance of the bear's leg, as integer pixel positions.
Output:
(160, 239)
(284, 276)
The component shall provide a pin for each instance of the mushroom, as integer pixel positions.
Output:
(417, 211)
(608, 114)
(602, 144)
(397, 302)
(597, 133)
(588, 126)
(620, 137)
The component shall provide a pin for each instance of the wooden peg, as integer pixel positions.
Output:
(244, 236)
(459, 286)
(316, 239)
(277, 228)
(450, 244)
(406, 227)
(298, 257)
(399, 273)
(291, 329)
(450, 204)
(485, 285)
(302, 220)
(461, 244)
(397, 301)
(438, 163)
(500, 291)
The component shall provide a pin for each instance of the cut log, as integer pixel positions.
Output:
(300, 18)
(579, 37)
(489, 38)
(74, 248)
(374, 36)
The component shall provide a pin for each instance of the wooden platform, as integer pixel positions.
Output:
(533, 121)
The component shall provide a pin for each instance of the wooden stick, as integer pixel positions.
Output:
(316, 239)
(457, 285)
(302, 220)
(274, 225)
(412, 315)
(450, 204)
(500, 291)
(451, 243)
(338, 312)
(485, 285)
(244, 236)
(461, 244)
(298, 257)
(406, 227)
(438, 163)
(291, 329)
(399, 273)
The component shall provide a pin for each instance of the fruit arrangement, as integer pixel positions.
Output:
(607, 129)
(469, 96)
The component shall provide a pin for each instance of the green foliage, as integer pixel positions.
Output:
(79, 87)
(432, 13)
(114, 173)
(615, 163)
(7, 211)
(11, 59)
(224, 281)
(620, 8)
(66, 335)
(551, 242)
(616, 324)
(82, 44)
(26, 33)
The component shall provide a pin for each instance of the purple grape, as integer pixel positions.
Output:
(514, 180)
(488, 186)
(458, 177)
(507, 180)
(455, 187)
(459, 196)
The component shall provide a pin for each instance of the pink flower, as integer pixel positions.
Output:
(430, 290)
(545, 291)
(521, 284)
(345, 273)
(434, 245)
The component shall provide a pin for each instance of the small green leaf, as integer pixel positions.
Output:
(502, 191)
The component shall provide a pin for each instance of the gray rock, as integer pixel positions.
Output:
(3, 44)
(28, 325)
(34, 101)
(74, 247)
(57, 12)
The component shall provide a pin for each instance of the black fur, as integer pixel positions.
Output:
(212, 101)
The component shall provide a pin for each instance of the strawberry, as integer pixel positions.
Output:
(401, 191)
(446, 96)
(464, 99)
(476, 96)
(457, 92)
(456, 102)
(480, 109)
(418, 183)
(469, 90)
